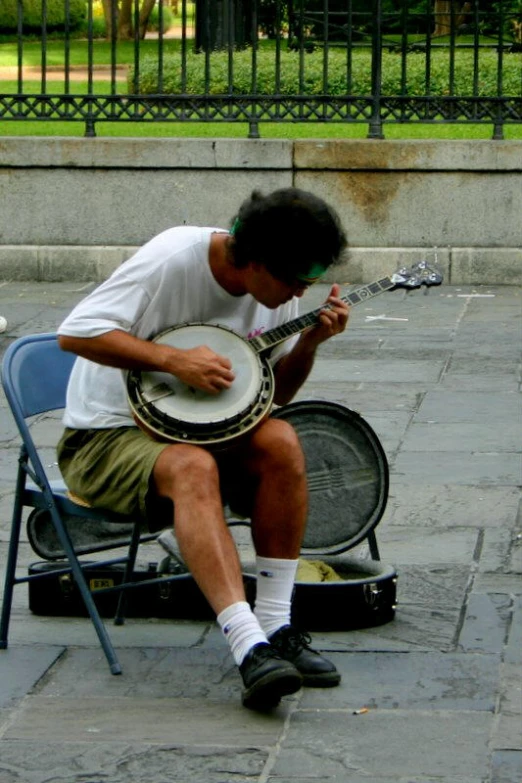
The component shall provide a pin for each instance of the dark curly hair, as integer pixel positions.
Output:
(289, 231)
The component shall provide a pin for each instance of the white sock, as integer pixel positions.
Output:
(275, 584)
(241, 629)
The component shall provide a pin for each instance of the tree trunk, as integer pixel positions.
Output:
(110, 16)
(442, 17)
(145, 12)
(442, 13)
(125, 26)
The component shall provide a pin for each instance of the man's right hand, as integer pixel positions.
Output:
(200, 367)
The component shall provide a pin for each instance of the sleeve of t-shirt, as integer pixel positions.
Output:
(117, 304)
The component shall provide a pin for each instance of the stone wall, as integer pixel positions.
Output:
(74, 208)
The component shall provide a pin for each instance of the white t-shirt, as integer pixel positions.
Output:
(167, 282)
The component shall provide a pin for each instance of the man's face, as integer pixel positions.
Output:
(269, 290)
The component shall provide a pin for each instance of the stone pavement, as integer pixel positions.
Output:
(437, 376)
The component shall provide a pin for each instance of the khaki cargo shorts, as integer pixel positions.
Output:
(112, 468)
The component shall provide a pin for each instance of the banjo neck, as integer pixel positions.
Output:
(416, 276)
(279, 334)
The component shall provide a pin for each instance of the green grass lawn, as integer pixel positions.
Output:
(240, 130)
(57, 87)
(79, 52)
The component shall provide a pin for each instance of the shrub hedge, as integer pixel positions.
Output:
(32, 14)
(311, 82)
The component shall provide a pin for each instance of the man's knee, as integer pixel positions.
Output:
(278, 440)
(185, 466)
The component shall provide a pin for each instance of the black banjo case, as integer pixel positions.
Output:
(347, 474)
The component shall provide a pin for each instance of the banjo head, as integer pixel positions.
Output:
(170, 410)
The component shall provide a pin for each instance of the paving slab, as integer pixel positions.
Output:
(405, 371)
(27, 628)
(419, 680)
(459, 467)
(195, 721)
(365, 398)
(405, 745)
(407, 545)
(22, 668)
(507, 734)
(463, 377)
(499, 437)
(128, 762)
(511, 690)
(507, 766)
(439, 406)
(498, 583)
(486, 623)
(193, 672)
(497, 548)
(428, 505)
(513, 652)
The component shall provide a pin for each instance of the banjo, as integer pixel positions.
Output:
(169, 410)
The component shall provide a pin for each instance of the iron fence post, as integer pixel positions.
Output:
(498, 126)
(375, 126)
(90, 129)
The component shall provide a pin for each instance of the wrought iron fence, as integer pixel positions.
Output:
(259, 61)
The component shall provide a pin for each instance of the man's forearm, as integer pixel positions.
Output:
(294, 368)
(292, 371)
(116, 349)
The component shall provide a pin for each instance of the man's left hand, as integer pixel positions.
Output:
(332, 320)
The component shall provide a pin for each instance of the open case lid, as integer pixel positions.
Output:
(347, 473)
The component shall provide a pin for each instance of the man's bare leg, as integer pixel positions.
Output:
(280, 505)
(189, 476)
(278, 523)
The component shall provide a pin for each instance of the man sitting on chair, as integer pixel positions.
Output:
(249, 279)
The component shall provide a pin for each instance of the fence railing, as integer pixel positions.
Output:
(260, 61)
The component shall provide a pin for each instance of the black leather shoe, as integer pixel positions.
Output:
(294, 646)
(267, 677)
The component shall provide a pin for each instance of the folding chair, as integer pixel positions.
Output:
(35, 372)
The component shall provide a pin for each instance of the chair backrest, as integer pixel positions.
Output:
(35, 373)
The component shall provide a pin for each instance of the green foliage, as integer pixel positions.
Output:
(417, 16)
(32, 14)
(168, 19)
(511, 11)
(310, 81)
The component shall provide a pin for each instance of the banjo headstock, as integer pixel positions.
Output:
(416, 276)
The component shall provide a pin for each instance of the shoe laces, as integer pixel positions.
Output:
(261, 652)
(292, 640)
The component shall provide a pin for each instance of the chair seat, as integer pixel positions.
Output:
(90, 529)
(65, 502)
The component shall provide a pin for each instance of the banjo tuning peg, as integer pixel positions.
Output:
(426, 274)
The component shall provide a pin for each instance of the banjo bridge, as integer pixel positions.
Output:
(159, 392)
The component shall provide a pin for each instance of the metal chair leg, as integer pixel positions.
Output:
(372, 543)
(10, 573)
(132, 554)
(86, 594)
(12, 555)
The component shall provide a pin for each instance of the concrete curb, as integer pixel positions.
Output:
(83, 263)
